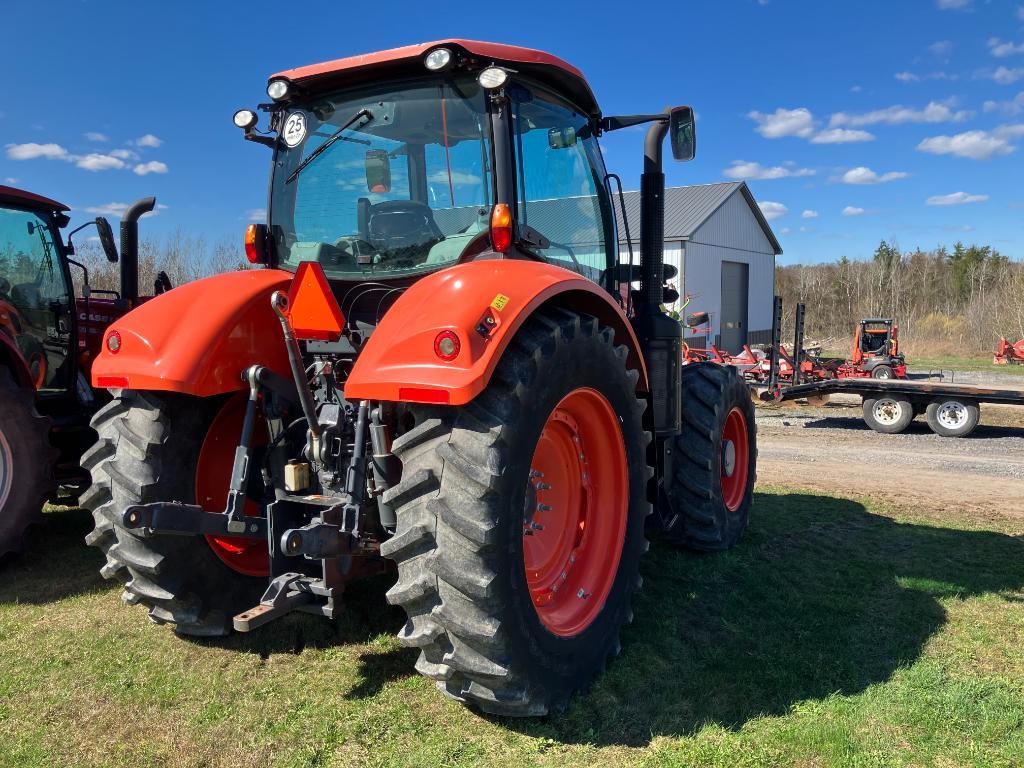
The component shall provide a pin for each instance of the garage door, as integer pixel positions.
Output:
(733, 326)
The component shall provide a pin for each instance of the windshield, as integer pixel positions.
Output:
(405, 188)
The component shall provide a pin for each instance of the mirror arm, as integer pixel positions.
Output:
(267, 141)
(626, 121)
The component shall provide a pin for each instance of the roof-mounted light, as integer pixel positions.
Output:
(245, 119)
(277, 89)
(437, 59)
(492, 77)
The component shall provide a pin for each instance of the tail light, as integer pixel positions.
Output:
(501, 227)
(256, 244)
(447, 345)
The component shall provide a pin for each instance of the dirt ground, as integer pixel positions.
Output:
(831, 449)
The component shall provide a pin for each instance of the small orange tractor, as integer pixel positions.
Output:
(436, 374)
(47, 340)
(1009, 354)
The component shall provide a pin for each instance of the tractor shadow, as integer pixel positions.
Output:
(821, 597)
(56, 563)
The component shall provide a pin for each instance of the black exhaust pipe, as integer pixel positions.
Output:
(130, 249)
(660, 336)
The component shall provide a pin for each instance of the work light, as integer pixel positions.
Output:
(245, 119)
(492, 77)
(277, 89)
(437, 59)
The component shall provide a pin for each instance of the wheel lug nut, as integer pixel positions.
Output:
(537, 526)
(543, 487)
(543, 507)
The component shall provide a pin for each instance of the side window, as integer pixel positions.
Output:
(561, 186)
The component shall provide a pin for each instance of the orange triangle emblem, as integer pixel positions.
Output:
(313, 310)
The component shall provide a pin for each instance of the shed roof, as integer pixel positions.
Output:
(686, 208)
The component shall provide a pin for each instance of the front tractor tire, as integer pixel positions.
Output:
(714, 462)
(149, 449)
(26, 462)
(521, 521)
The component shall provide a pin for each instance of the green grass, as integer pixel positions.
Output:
(838, 632)
(983, 364)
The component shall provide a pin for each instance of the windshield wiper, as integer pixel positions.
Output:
(333, 138)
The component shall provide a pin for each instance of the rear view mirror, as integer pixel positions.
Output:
(682, 133)
(696, 319)
(106, 239)
(561, 138)
(378, 171)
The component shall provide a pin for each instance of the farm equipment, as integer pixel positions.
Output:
(876, 351)
(436, 373)
(47, 341)
(1009, 354)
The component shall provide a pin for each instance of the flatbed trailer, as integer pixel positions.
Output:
(889, 405)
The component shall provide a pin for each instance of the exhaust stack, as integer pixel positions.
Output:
(130, 249)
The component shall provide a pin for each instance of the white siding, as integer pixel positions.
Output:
(733, 226)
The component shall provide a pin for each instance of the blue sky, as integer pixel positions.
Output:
(853, 122)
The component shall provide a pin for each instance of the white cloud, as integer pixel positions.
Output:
(256, 214)
(907, 77)
(1003, 48)
(33, 151)
(124, 154)
(153, 166)
(956, 198)
(806, 229)
(95, 161)
(1005, 75)
(149, 140)
(741, 169)
(941, 48)
(117, 209)
(934, 112)
(855, 89)
(458, 178)
(1013, 107)
(772, 210)
(852, 210)
(95, 136)
(864, 175)
(809, 214)
(784, 122)
(785, 231)
(842, 136)
(10, 180)
(976, 145)
(954, 5)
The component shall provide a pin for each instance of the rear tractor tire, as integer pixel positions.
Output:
(714, 464)
(149, 449)
(521, 521)
(26, 462)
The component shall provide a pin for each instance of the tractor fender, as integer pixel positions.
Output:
(12, 359)
(198, 338)
(484, 303)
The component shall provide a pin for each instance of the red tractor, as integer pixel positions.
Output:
(47, 340)
(876, 351)
(435, 374)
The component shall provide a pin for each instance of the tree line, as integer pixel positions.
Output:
(946, 301)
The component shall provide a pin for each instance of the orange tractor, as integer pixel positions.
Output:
(435, 374)
(1008, 354)
(47, 340)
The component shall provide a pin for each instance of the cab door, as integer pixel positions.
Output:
(36, 299)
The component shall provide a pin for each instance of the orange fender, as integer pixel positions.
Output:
(199, 337)
(399, 362)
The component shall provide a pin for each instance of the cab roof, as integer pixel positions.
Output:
(551, 70)
(29, 199)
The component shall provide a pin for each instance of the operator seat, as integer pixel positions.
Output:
(404, 228)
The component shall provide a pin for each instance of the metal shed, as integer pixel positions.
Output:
(724, 249)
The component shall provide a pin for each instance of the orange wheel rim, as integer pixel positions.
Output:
(735, 460)
(249, 557)
(575, 512)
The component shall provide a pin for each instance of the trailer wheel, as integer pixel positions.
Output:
(521, 521)
(883, 372)
(890, 415)
(149, 449)
(26, 462)
(952, 418)
(715, 460)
